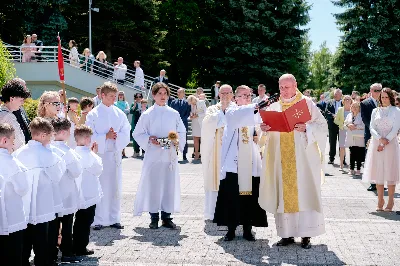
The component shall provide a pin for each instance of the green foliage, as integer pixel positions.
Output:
(7, 70)
(30, 107)
(320, 69)
(369, 49)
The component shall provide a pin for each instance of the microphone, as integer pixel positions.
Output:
(268, 102)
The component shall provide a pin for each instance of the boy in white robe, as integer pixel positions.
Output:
(159, 187)
(13, 186)
(44, 169)
(69, 187)
(293, 171)
(90, 188)
(111, 131)
(237, 202)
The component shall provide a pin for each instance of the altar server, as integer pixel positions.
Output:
(211, 143)
(13, 186)
(90, 188)
(69, 187)
(159, 187)
(44, 169)
(240, 169)
(111, 131)
(292, 170)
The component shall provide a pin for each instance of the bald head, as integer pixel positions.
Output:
(287, 86)
(289, 77)
(225, 87)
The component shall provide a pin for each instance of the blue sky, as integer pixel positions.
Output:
(322, 25)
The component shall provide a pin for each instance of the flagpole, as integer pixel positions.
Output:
(62, 81)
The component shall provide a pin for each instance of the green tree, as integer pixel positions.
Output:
(371, 44)
(7, 70)
(320, 68)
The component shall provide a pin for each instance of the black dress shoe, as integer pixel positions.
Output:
(344, 163)
(398, 212)
(117, 226)
(168, 224)
(70, 259)
(305, 242)
(184, 158)
(229, 236)
(372, 187)
(285, 241)
(153, 225)
(249, 236)
(85, 252)
(330, 162)
(98, 227)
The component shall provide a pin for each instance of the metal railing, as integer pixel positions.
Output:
(93, 66)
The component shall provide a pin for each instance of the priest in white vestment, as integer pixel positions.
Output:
(159, 187)
(293, 171)
(211, 144)
(111, 131)
(237, 202)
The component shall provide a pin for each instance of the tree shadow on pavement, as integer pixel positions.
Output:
(261, 253)
(212, 229)
(387, 215)
(159, 237)
(106, 236)
(87, 261)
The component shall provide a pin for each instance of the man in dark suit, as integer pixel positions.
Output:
(162, 77)
(367, 106)
(331, 109)
(214, 92)
(322, 104)
(184, 109)
(39, 44)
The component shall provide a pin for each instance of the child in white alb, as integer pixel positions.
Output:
(45, 168)
(90, 190)
(13, 186)
(69, 187)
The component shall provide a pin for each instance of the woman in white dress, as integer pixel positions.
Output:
(73, 54)
(383, 156)
(197, 115)
(28, 49)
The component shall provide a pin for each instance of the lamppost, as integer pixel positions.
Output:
(90, 23)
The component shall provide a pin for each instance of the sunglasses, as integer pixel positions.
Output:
(377, 90)
(55, 103)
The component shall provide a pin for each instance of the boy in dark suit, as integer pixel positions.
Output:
(331, 109)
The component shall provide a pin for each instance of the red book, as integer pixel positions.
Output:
(285, 121)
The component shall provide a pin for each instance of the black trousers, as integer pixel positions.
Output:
(81, 232)
(357, 155)
(164, 216)
(11, 247)
(333, 138)
(185, 149)
(36, 236)
(54, 229)
(66, 246)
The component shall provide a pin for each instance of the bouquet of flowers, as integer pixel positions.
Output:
(172, 138)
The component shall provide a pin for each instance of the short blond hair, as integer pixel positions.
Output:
(108, 87)
(82, 131)
(241, 88)
(6, 130)
(45, 98)
(40, 125)
(101, 53)
(191, 98)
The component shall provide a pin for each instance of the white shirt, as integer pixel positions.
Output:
(96, 100)
(44, 169)
(337, 105)
(69, 185)
(90, 187)
(120, 71)
(139, 78)
(13, 186)
(216, 91)
(258, 99)
(375, 101)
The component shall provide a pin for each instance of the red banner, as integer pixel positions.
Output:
(60, 60)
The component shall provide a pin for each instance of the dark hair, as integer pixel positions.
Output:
(60, 124)
(138, 95)
(73, 100)
(398, 98)
(158, 86)
(389, 92)
(14, 88)
(85, 102)
(73, 43)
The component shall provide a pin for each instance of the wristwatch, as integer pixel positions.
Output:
(381, 144)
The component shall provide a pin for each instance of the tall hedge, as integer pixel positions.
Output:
(7, 69)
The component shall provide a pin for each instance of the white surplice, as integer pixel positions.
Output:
(309, 150)
(13, 186)
(45, 168)
(100, 120)
(159, 187)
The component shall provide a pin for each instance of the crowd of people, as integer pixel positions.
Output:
(248, 168)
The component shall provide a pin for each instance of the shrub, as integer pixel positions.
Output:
(30, 107)
(7, 69)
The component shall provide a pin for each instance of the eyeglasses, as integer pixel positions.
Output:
(225, 93)
(55, 103)
(246, 96)
(377, 90)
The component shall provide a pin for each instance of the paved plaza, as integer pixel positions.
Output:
(355, 233)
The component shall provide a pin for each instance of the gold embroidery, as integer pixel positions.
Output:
(288, 163)
(245, 193)
(245, 135)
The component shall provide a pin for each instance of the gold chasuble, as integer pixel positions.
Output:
(245, 159)
(217, 162)
(288, 162)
